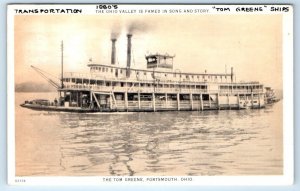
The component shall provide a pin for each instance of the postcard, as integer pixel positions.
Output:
(147, 94)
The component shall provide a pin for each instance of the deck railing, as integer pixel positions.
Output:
(162, 90)
(101, 77)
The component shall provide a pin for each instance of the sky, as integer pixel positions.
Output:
(251, 44)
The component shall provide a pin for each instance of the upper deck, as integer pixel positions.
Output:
(119, 73)
(111, 78)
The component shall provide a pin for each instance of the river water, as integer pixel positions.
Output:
(235, 142)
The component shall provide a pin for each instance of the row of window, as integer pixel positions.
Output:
(198, 76)
(241, 87)
(106, 69)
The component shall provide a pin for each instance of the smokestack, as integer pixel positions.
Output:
(128, 54)
(231, 74)
(113, 51)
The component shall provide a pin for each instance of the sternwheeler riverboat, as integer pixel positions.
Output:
(110, 88)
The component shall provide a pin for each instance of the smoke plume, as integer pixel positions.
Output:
(137, 26)
(115, 31)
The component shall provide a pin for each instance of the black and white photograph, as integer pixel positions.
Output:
(150, 93)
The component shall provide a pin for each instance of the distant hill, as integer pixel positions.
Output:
(34, 87)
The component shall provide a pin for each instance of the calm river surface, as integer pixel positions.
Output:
(244, 142)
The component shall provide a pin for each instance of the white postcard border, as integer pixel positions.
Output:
(288, 119)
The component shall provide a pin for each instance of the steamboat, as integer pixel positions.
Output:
(110, 88)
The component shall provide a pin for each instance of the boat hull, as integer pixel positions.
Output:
(58, 108)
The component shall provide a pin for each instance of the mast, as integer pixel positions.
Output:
(62, 64)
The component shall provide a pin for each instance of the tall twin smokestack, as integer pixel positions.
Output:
(128, 54)
(113, 53)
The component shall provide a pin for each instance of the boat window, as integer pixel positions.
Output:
(112, 70)
(121, 71)
(107, 83)
(145, 73)
(103, 69)
(106, 69)
(166, 75)
(92, 81)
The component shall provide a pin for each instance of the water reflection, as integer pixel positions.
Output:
(200, 143)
